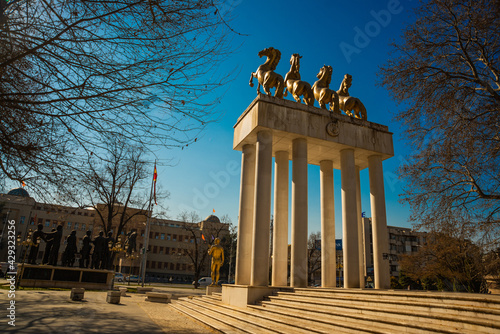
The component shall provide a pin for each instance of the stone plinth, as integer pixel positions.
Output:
(77, 294)
(211, 289)
(243, 295)
(113, 297)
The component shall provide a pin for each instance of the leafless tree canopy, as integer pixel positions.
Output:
(446, 75)
(73, 71)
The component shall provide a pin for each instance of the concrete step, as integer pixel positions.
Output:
(355, 322)
(208, 321)
(386, 318)
(244, 315)
(472, 315)
(216, 320)
(480, 301)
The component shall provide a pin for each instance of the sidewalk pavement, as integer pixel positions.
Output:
(50, 311)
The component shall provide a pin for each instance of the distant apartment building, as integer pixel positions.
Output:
(170, 242)
(401, 241)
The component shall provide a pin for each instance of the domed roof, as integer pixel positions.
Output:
(18, 192)
(212, 219)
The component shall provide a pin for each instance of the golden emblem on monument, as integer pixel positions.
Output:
(265, 74)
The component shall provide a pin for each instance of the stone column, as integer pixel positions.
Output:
(379, 223)
(328, 263)
(362, 266)
(349, 219)
(259, 275)
(245, 223)
(298, 271)
(280, 228)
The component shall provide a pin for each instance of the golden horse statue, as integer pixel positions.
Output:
(349, 103)
(296, 86)
(322, 92)
(265, 73)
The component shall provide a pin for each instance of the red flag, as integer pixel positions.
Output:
(155, 175)
(23, 183)
(213, 210)
(203, 237)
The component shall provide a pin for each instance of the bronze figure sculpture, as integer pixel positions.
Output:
(349, 103)
(296, 86)
(265, 74)
(322, 92)
(217, 253)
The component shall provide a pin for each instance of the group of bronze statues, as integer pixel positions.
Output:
(96, 254)
(320, 91)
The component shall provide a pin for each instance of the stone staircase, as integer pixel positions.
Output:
(350, 311)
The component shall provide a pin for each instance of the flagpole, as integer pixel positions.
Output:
(146, 234)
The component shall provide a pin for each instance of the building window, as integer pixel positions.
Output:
(147, 264)
(180, 238)
(150, 235)
(47, 223)
(153, 264)
(69, 224)
(40, 221)
(171, 266)
(177, 266)
(165, 265)
(21, 221)
(83, 227)
(54, 225)
(167, 250)
(155, 249)
(168, 237)
(174, 237)
(162, 236)
(142, 233)
(76, 226)
(161, 250)
(157, 235)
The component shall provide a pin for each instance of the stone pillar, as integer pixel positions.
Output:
(245, 223)
(359, 209)
(379, 223)
(328, 263)
(259, 275)
(298, 271)
(280, 228)
(349, 219)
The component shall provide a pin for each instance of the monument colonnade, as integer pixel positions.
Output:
(307, 135)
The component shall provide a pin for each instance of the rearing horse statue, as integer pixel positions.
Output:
(296, 86)
(265, 73)
(349, 103)
(322, 92)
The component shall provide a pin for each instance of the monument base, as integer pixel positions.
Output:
(212, 289)
(45, 276)
(243, 295)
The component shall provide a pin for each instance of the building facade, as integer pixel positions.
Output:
(172, 245)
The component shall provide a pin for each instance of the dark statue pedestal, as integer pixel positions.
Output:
(66, 277)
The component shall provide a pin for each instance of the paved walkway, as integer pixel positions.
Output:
(48, 311)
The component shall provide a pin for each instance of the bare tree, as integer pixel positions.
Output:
(73, 71)
(313, 254)
(446, 75)
(118, 188)
(447, 261)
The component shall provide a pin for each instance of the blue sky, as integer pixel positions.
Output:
(353, 37)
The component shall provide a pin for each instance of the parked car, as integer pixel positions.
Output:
(119, 277)
(204, 281)
(133, 278)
